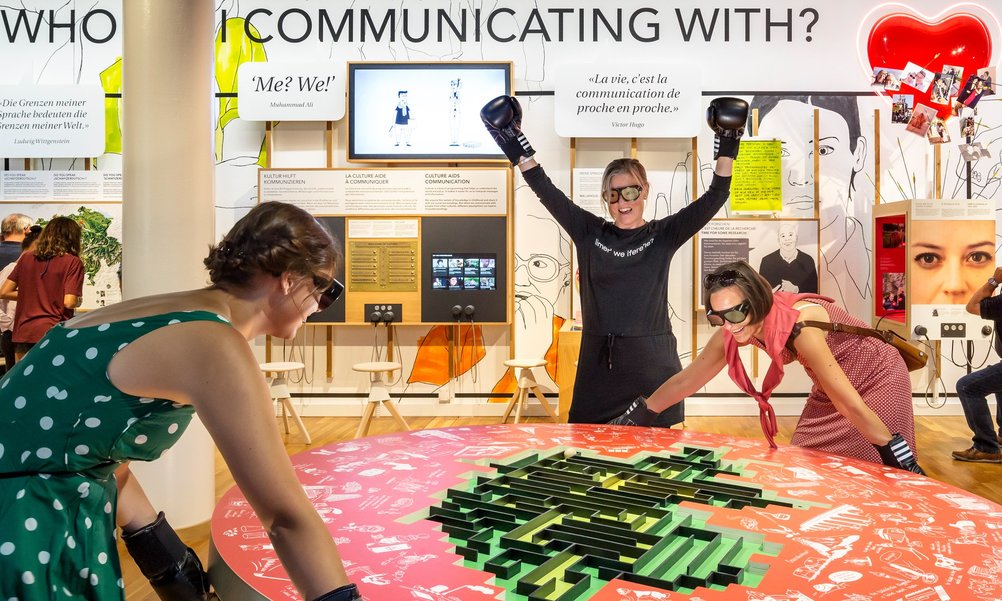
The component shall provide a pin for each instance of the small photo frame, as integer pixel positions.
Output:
(902, 106)
(969, 152)
(956, 75)
(939, 91)
(886, 78)
(987, 75)
(972, 92)
(922, 117)
(937, 132)
(917, 77)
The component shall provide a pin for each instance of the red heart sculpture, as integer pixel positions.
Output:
(960, 39)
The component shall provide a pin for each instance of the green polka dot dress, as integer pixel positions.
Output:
(63, 430)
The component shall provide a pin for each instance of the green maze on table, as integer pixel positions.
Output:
(558, 528)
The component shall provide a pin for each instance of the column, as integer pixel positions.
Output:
(167, 202)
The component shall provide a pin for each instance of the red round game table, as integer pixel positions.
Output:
(570, 512)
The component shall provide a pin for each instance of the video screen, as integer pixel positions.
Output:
(466, 271)
(422, 111)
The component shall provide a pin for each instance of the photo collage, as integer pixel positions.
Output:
(463, 272)
(945, 89)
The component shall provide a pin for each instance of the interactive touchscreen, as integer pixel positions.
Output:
(463, 271)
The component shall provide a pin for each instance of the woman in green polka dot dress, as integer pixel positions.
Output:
(121, 383)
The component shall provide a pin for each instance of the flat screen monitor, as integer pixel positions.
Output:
(423, 111)
(463, 271)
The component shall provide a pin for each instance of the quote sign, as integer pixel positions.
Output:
(51, 121)
(291, 91)
(639, 101)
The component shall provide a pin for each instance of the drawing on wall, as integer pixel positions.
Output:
(101, 249)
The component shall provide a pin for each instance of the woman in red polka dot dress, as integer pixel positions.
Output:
(121, 384)
(861, 402)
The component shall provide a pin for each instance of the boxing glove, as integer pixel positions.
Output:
(348, 592)
(503, 119)
(637, 414)
(727, 117)
(897, 453)
(173, 569)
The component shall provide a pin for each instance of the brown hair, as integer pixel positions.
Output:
(59, 237)
(273, 238)
(755, 288)
(620, 167)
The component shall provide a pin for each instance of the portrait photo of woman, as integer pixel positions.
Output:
(950, 259)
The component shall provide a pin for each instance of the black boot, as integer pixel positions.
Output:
(172, 568)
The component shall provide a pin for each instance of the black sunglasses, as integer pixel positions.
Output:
(723, 279)
(735, 314)
(627, 193)
(332, 292)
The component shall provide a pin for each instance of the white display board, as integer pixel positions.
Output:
(389, 191)
(42, 186)
(51, 121)
(291, 91)
(626, 99)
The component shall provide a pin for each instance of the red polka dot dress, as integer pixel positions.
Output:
(65, 428)
(876, 371)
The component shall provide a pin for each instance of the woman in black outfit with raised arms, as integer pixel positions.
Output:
(627, 346)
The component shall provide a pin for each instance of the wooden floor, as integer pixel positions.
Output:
(936, 437)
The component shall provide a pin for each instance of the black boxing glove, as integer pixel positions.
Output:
(727, 117)
(348, 592)
(897, 453)
(173, 569)
(503, 119)
(637, 414)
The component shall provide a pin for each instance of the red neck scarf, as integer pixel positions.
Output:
(776, 328)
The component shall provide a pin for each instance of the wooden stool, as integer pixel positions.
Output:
(526, 382)
(280, 392)
(378, 394)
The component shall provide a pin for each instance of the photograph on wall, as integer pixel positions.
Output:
(783, 251)
(917, 77)
(422, 111)
(101, 246)
(987, 76)
(892, 291)
(922, 117)
(889, 262)
(975, 88)
(950, 259)
(901, 107)
(886, 78)
(938, 133)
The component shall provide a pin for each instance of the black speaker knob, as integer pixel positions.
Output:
(375, 317)
(388, 316)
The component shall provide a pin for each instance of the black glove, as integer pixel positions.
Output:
(637, 414)
(727, 117)
(348, 592)
(173, 569)
(503, 119)
(897, 453)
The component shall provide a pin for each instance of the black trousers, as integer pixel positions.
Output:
(612, 371)
(7, 347)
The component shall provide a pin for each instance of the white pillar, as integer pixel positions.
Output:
(167, 207)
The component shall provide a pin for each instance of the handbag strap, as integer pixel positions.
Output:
(885, 335)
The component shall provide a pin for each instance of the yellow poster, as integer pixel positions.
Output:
(757, 186)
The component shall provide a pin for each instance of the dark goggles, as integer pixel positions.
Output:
(331, 292)
(735, 314)
(627, 193)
